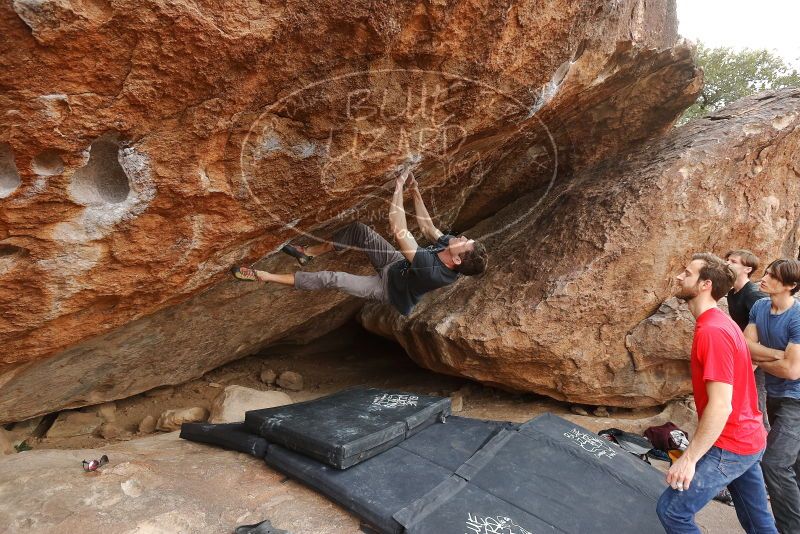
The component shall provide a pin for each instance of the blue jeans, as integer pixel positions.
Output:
(717, 469)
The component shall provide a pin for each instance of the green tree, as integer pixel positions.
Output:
(730, 75)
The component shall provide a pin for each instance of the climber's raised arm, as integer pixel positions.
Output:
(424, 220)
(397, 220)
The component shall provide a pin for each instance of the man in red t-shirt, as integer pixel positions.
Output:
(730, 437)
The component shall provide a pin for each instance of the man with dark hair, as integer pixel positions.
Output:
(730, 437)
(740, 299)
(773, 337)
(744, 292)
(403, 276)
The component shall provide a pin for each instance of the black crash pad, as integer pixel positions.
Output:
(377, 488)
(233, 436)
(350, 426)
(550, 475)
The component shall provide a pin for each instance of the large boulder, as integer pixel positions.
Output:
(147, 146)
(576, 301)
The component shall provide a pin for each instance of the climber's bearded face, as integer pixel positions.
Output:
(687, 283)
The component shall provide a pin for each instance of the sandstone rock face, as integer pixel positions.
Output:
(231, 405)
(666, 335)
(158, 484)
(147, 146)
(576, 303)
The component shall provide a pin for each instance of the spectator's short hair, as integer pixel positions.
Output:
(473, 262)
(747, 258)
(787, 272)
(719, 272)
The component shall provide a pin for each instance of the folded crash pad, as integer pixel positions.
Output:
(380, 486)
(350, 426)
(549, 475)
(233, 436)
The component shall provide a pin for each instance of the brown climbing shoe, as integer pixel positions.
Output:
(244, 273)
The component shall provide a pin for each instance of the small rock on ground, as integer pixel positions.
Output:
(578, 410)
(268, 376)
(173, 419)
(457, 401)
(108, 411)
(231, 405)
(147, 425)
(291, 381)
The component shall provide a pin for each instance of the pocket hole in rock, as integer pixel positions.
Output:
(9, 256)
(7, 250)
(9, 176)
(47, 163)
(102, 180)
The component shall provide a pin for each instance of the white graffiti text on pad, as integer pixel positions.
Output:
(391, 400)
(590, 443)
(478, 524)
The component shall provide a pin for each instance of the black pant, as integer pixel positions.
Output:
(781, 462)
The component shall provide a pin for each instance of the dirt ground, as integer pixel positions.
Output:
(348, 357)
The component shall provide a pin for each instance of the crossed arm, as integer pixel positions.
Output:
(780, 363)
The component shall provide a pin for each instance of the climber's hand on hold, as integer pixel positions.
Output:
(402, 177)
(412, 184)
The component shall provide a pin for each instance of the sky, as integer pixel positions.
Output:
(771, 24)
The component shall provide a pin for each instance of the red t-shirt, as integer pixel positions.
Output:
(720, 354)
